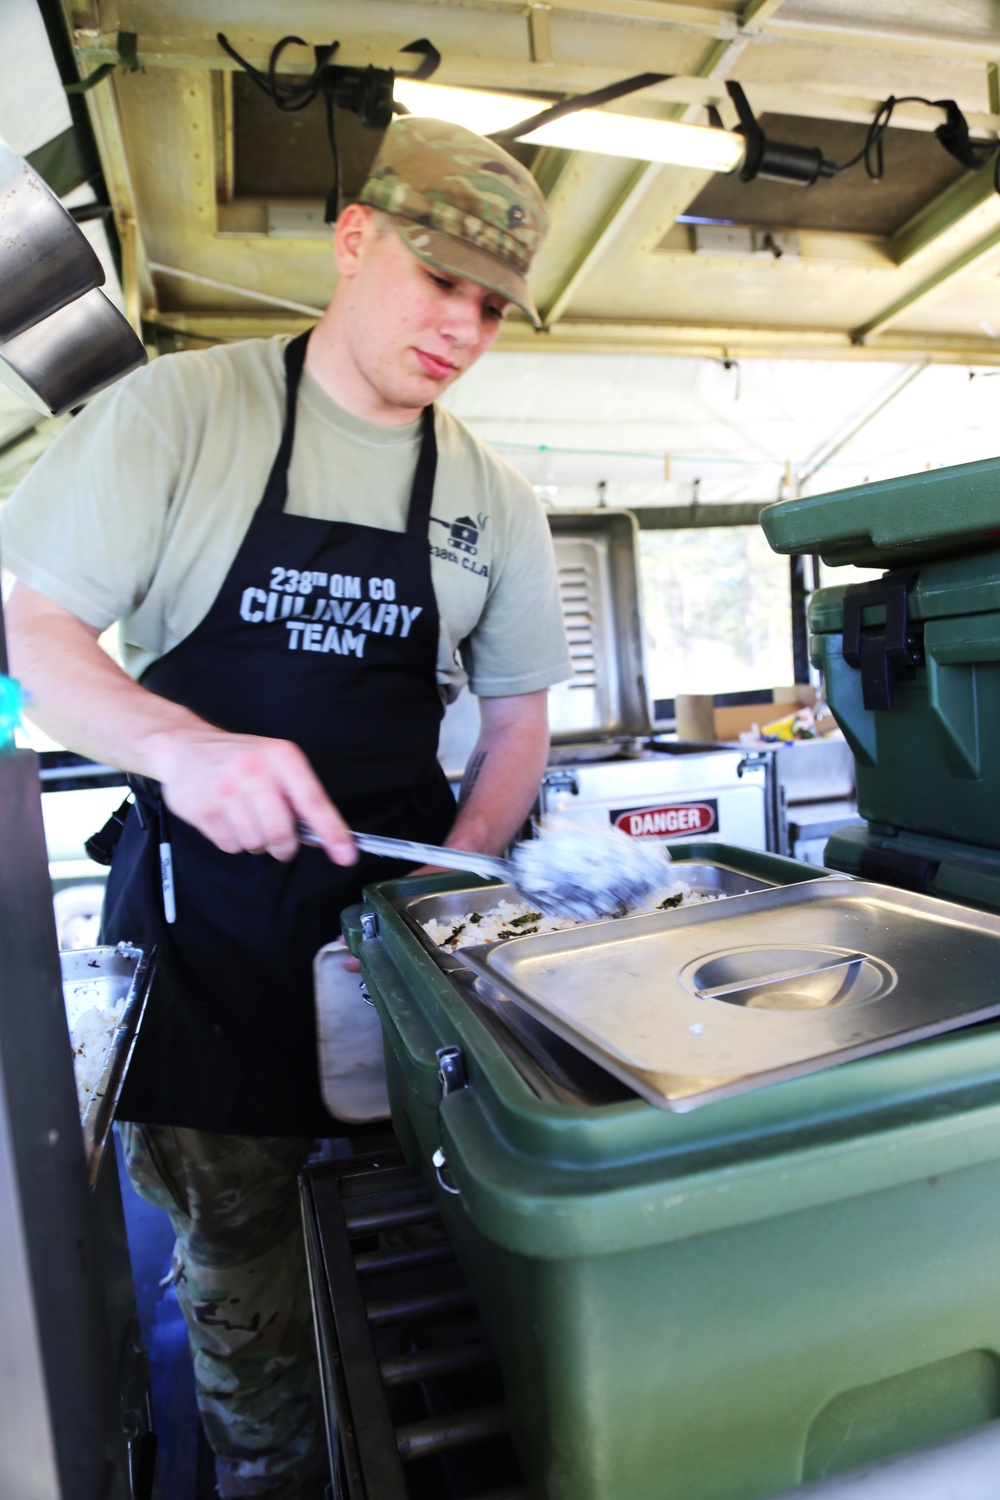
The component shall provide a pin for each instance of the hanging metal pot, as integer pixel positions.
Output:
(71, 355)
(45, 259)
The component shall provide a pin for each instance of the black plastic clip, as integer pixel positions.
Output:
(101, 846)
(890, 656)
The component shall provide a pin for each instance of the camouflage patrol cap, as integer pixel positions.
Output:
(460, 203)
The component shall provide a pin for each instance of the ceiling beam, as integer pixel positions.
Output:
(714, 341)
(539, 33)
(925, 288)
(225, 327)
(942, 215)
(105, 120)
(720, 57)
(178, 273)
(687, 340)
(561, 75)
(610, 227)
(939, 45)
(758, 15)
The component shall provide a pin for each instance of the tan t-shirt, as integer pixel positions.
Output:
(136, 513)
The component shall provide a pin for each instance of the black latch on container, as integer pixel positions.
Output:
(895, 653)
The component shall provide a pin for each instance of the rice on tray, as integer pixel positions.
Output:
(92, 1024)
(518, 918)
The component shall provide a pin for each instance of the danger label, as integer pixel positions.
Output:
(673, 821)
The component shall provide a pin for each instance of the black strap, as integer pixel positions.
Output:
(582, 101)
(275, 494)
(276, 490)
(422, 493)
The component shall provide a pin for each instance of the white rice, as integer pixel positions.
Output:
(91, 1029)
(589, 870)
(518, 918)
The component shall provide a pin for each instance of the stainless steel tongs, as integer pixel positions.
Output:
(490, 865)
(585, 873)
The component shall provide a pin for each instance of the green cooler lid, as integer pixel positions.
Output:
(895, 522)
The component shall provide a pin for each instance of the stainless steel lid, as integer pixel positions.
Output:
(691, 1006)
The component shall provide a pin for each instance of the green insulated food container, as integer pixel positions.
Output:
(912, 661)
(713, 1305)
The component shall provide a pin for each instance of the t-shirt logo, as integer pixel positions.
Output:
(461, 543)
(463, 534)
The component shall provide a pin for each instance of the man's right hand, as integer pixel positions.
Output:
(246, 793)
(241, 791)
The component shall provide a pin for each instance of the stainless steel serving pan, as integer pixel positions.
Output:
(553, 1067)
(694, 1005)
(456, 905)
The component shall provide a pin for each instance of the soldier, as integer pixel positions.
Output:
(258, 519)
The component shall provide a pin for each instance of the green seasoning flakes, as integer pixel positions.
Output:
(529, 916)
(476, 917)
(672, 901)
(455, 933)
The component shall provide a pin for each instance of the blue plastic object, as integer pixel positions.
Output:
(10, 710)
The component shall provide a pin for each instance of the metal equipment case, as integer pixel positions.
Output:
(606, 763)
(673, 792)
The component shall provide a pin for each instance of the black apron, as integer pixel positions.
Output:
(324, 633)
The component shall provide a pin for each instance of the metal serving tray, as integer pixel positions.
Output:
(112, 977)
(553, 1067)
(698, 1004)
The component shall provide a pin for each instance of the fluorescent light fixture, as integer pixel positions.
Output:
(474, 108)
(647, 140)
(597, 130)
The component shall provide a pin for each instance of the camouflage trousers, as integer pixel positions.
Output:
(239, 1272)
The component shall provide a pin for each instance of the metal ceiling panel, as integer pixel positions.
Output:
(214, 191)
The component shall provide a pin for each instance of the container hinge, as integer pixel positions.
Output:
(369, 926)
(891, 655)
(451, 1070)
(562, 781)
